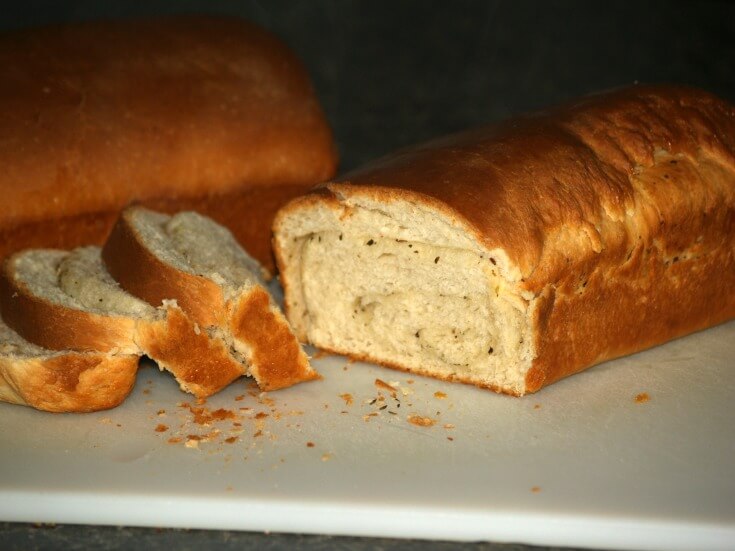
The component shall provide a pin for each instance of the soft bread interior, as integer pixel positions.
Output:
(82, 276)
(250, 322)
(397, 284)
(197, 245)
(77, 280)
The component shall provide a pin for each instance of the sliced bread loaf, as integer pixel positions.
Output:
(517, 254)
(67, 300)
(193, 260)
(62, 381)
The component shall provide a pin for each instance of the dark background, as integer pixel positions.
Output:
(391, 73)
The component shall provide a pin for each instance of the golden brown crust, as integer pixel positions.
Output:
(201, 364)
(57, 327)
(641, 304)
(174, 108)
(143, 274)
(277, 359)
(618, 209)
(68, 382)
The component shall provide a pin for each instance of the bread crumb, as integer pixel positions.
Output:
(379, 383)
(440, 395)
(347, 397)
(536, 489)
(420, 421)
(310, 444)
(642, 397)
(448, 425)
(231, 439)
(537, 406)
(161, 427)
(326, 457)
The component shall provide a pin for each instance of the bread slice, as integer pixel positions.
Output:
(62, 381)
(68, 301)
(514, 255)
(193, 260)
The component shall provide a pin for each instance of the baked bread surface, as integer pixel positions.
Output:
(191, 259)
(67, 301)
(65, 381)
(98, 115)
(607, 225)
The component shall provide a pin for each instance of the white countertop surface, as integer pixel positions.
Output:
(637, 453)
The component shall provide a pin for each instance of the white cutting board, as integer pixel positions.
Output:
(582, 463)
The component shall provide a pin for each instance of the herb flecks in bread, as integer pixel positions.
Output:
(513, 255)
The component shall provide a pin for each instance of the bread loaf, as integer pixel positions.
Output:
(67, 301)
(513, 255)
(180, 112)
(196, 262)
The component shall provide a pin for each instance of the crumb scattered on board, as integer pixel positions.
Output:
(421, 421)
(642, 397)
(197, 426)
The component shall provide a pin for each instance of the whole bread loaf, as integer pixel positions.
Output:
(175, 113)
(514, 255)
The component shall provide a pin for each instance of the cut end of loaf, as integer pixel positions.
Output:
(388, 278)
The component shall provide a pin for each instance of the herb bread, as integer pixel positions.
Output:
(196, 262)
(68, 301)
(62, 381)
(513, 255)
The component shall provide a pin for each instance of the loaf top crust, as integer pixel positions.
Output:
(589, 182)
(94, 116)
